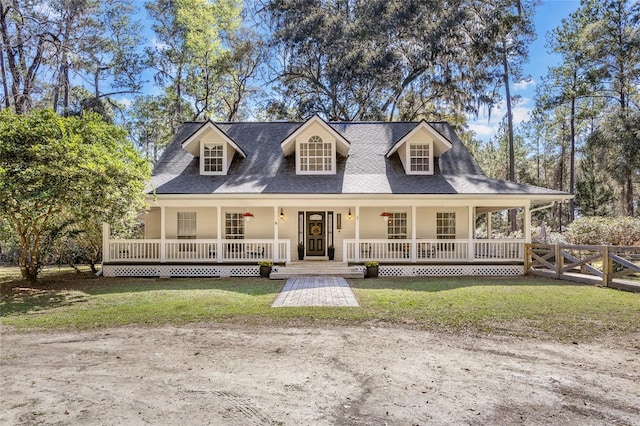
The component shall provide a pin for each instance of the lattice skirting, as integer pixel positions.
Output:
(254, 270)
(181, 270)
(449, 270)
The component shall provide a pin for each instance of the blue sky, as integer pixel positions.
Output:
(548, 16)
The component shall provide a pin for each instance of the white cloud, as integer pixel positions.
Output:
(524, 84)
(158, 45)
(486, 129)
(125, 101)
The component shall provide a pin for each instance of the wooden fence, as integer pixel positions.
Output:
(591, 264)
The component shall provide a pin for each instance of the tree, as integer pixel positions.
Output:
(593, 195)
(189, 57)
(149, 125)
(568, 84)
(47, 44)
(507, 31)
(617, 138)
(25, 38)
(57, 173)
(363, 60)
(611, 42)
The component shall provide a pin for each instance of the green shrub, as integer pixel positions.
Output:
(622, 231)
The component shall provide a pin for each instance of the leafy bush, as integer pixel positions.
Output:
(622, 231)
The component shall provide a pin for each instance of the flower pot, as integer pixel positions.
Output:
(332, 252)
(265, 271)
(372, 272)
(300, 253)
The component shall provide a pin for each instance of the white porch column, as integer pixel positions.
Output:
(106, 236)
(219, 233)
(472, 234)
(276, 244)
(414, 246)
(163, 234)
(357, 233)
(527, 224)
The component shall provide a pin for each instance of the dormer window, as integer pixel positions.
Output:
(215, 149)
(316, 156)
(212, 158)
(418, 149)
(316, 145)
(420, 159)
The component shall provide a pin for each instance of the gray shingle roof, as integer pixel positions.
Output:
(366, 170)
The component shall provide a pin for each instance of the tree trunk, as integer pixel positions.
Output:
(29, 260)
(3, 75)
(513, 220)
(629, 196)
(572, 172)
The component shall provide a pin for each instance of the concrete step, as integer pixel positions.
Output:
(316, 268)
(286, 275)
(316, 264)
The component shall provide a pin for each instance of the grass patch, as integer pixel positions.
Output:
(523, 306)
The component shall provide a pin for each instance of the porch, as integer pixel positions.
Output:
(205, 251)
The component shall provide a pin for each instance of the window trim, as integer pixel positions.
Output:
(447, 236)
(180, 221)
(224, 159)
(299, 157)
(391, 222)
(409, 157)
(234, 216)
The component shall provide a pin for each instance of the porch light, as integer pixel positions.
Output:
(281, 213)
(385, 216)
(349, 214)
(247, 216)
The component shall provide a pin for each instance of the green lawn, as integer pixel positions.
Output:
(522, 306)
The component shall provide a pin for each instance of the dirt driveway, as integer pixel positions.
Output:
(218, 374)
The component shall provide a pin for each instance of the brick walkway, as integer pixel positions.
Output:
(315, 291)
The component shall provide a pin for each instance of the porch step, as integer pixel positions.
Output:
(316, 268)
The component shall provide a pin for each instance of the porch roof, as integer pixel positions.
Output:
(366, 170)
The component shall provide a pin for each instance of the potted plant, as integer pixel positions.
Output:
(300, 251)
(331, 251)
(372, 269)
(265, 268)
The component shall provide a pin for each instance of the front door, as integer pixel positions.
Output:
(315, 233)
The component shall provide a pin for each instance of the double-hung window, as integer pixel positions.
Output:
(420, 158)
(213, 158)
(186, 230)
(234, 226)
(397, 226)
(446, 225)
(315, 156)
(446, 229)
(187, 225)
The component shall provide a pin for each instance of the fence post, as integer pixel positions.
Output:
(559, 262)
(527, 259)
(607, 267)
(106, 236)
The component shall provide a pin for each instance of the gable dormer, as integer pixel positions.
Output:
(419, 148)
(214, 147)
(316, 145)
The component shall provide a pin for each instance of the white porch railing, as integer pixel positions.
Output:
(384, 250)
(190, 250)
(197, 250)
(133, 250)
(499, 249)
